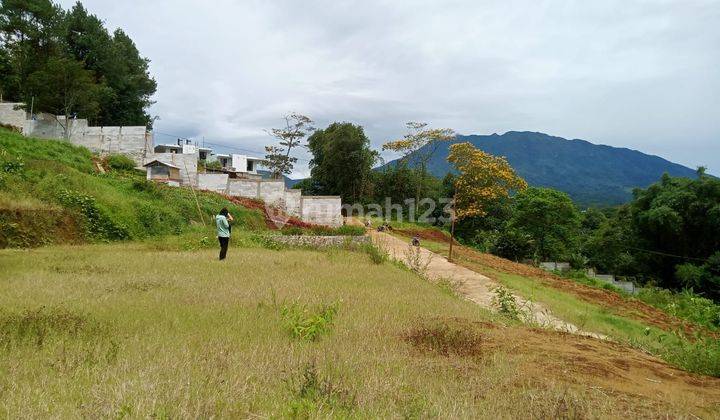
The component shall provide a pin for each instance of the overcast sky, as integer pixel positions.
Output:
(637, 74)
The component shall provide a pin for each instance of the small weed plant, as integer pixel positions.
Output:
(378, 255)
(506, 303)
(308, 323)
(416, 261)
(313, 393)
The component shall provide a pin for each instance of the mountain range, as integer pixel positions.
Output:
(592, 174)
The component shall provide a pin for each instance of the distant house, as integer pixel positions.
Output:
(158, 171)
(224, 160)
(168, 148)
(186, 148)
(245, 164)
(204, 153)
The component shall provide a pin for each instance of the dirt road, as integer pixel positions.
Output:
(473, 286)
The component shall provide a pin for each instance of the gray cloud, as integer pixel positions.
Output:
(631, 73)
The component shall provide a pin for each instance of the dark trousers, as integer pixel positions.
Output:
(223, 246)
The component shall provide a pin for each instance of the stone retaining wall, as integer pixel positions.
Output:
(320, 241)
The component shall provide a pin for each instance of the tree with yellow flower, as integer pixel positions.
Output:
(482, 179)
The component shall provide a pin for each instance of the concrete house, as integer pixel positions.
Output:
(245, 164)
(164, 172)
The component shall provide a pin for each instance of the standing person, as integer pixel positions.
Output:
(222, 220)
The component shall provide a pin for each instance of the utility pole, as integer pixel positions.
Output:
(452, 228)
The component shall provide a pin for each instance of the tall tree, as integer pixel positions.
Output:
(34, 32)
(30, 33)
(550, 219)
(676, 221)
(116, 63)
(418, 146)
(342, 161)
(64, 88)
(278, 159)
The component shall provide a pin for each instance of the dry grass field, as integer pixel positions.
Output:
(131, 330)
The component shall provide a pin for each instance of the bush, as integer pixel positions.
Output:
(120, 163)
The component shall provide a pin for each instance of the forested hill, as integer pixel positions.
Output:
(591, 174)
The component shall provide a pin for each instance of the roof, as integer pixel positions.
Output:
(173, 146)
(222, 155)
(170, 165)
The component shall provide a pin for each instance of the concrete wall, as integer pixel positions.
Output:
(320, 241)
(186, 162)
(243, 188)
(322, 210)
(213, 182)
(272, 192)
(293, 202)
(130, 141)
(553, 266)
(11, 116)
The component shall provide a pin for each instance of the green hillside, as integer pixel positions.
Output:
(50, 193)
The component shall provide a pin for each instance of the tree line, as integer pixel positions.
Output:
(66, 62)
(668, 235)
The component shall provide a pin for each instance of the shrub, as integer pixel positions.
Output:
(120, 163)
(308, 323)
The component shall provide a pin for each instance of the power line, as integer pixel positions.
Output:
(666, 254)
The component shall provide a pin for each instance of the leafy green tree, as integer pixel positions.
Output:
(30, 32)
(64, 88)
(608, 243)
(37, 36)
(342, 161)
(116, 63)
(676, 221)
(550, 219)
(702, 278)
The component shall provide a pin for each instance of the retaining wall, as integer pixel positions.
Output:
(243, 188)
(272, 192)
(321, 210)
(132, 141)
(213, 182)
(320, 241)
(293, 202)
